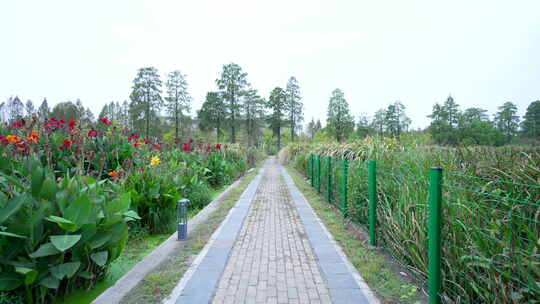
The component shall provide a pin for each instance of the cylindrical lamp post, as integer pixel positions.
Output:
(182, 219)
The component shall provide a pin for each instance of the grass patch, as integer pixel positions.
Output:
(159, 284)
(373, 266)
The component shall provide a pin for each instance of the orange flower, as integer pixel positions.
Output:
(113, 174)
(33, 138)
(14, 139)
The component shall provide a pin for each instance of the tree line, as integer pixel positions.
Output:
(235, 111)
(449, 124)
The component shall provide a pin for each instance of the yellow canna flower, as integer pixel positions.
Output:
(155, 161)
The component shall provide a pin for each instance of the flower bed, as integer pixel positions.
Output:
(69, 197)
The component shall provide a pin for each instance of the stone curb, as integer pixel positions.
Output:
(346, 285)
(128, 281)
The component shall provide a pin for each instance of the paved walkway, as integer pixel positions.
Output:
(272, 248)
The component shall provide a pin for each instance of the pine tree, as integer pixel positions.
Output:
(15, 109)
(232, 84)
(395, 119)
(178, 100)
(30, 109)
(254, 114)
(340, 122)
(277, 104)
(146, 101)
(294, 106)
(44, 112)
(210, 115)
(507, 120)
(531, 121)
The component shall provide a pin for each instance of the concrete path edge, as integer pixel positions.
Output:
(128, 281)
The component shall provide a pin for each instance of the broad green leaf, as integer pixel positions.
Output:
(119, 204)
(50, 282)
(79, 210)
(100, 258)
(12, 207)
(99, 240)
(9, 234)
(46, 249)
(48, 189)
(132, 214)
(37, 180)
(30, 275)
(9, 281)
(64, 242)
(63, 223)
(65, 270)
(88, 231)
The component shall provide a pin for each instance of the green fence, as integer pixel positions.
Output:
(465, 235)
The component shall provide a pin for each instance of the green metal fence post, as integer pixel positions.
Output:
(372, 193)
(319, 174)
(311, 163)
(344, 203)
(329, 179)
(434, 235)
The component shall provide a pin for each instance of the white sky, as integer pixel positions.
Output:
(482, 52)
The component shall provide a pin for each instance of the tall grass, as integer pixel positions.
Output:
(491, 212)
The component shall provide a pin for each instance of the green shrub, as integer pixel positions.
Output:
(57, 236)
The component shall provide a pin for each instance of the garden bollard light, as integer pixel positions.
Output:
(182, 219)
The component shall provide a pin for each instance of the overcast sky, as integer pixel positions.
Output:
(482, 52)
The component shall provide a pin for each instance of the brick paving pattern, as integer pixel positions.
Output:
(272, 260)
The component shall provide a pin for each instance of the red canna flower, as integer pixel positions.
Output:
(4, 141)
(157, 147)
(92, 133)
(218, 146)
(67, 144)
(227, 147)
(105, 121)
(72, 124)
(186, 147)
(18, 124)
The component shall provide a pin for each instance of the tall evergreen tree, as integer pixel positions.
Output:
(232, 84)
(15, 108)
(277, 103)
(340, 122)
(29, 108)
(531, 121)
(395, 119)
(445, 122)
(210, 115)
(310, 128)
(507, 120)
(44, 112)
(363, 127)
(146, 97)
(378, 122)
(294, 106)
(254, 114)
(178, 100)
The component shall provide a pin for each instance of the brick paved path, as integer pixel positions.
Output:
(272, 260)
(271, 248)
